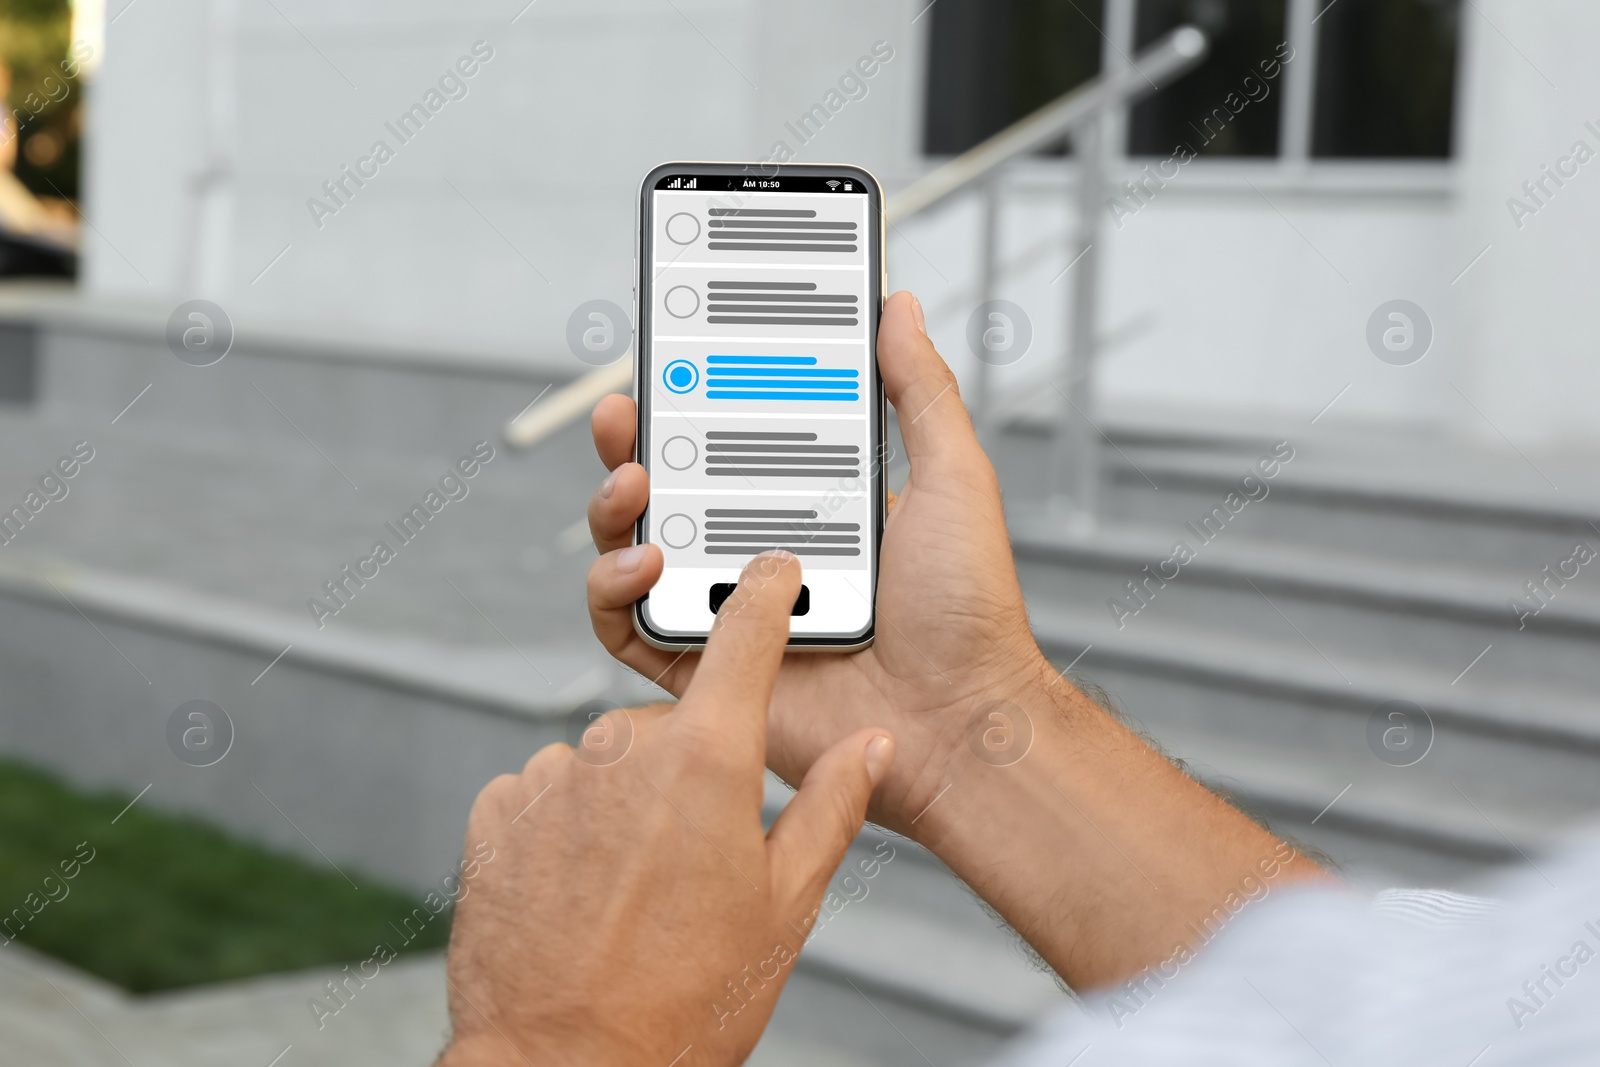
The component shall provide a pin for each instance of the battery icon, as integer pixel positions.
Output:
(848, 186)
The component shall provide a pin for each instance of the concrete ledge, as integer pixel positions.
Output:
(354, 750)
(500, 680)
(1383, 585)
(63, 309)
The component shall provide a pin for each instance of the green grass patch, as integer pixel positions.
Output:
(168, 901)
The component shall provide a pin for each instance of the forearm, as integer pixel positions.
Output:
(1097, 850)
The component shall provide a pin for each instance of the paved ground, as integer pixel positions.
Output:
(52, 1016)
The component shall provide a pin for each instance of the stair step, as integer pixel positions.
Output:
(1425, 503)
(1529, 749)
(1545, 717)
(1353, 608)
(1392, 584)
(1365, 796)
(893, 951)
(915, 933)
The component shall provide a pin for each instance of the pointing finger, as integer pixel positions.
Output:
(733, 682)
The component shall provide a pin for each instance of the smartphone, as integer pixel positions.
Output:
(761, 412)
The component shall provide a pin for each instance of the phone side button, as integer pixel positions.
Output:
(721, 591)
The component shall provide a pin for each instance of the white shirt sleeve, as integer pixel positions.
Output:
(1328, 978)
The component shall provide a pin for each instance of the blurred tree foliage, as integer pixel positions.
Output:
(35, 40)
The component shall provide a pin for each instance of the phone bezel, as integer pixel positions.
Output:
(877, 281)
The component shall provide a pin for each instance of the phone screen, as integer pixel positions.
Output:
(760, 406)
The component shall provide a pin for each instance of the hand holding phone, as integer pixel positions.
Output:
(952, 630)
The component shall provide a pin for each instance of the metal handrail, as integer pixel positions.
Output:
(1174, 54)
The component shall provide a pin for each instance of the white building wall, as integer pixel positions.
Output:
(1532, 354)
(1243, 289)
(512, 206)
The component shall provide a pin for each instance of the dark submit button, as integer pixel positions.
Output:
(721, 591)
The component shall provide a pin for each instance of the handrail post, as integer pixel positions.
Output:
(988, 291)
(1075, 451)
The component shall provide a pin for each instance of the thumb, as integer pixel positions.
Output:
(810, 836)
(933, 421)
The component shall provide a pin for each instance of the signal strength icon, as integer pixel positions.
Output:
(684, 183)
(833, 185)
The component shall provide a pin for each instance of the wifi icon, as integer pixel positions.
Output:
(833, 185)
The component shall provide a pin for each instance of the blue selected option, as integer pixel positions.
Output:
(787, 372)
(748, 394)
(783, 361)
(715, 382)
(730, 377)
(680, 376)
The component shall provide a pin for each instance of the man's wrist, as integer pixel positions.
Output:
(999, 743)
(1095, 848)
(1004, 758)
(991, 723)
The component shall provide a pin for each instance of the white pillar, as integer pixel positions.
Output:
(1526, 350)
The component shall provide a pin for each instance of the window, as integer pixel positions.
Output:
(1384, 87)
(1228, 106)
(1386, 73)
(991, 62)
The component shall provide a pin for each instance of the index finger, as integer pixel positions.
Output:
(739, 667)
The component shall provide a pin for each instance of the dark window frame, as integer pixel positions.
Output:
(986, 69)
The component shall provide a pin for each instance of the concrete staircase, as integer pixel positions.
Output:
(1374, 570)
